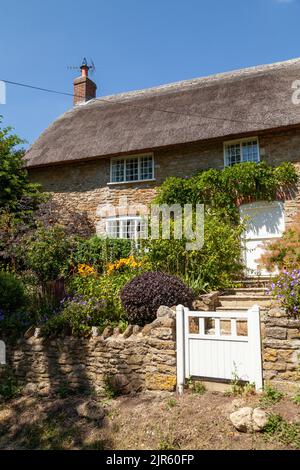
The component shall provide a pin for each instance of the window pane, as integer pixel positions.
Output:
(128, 228)
(141, 229)
(250, 151)
(113, 228)
(146, 167)
(117, 171)
(233, 154)
(132, 169)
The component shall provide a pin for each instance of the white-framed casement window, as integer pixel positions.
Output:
(239, 151)
(132, 169)
(133, 228)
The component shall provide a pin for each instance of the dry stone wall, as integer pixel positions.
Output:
(139, 359)
(281, 347)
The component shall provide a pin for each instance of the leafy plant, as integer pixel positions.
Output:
(12, 294)
(238, 387)
(296, 399)
(17, 194)
(47, 252)
(111, 389)
(196, 387)
(142, 296)
(286, 288)
(97, 252)
(171, 403)
(77, 316)
(285, 432)
(9, 387)
(270, 396)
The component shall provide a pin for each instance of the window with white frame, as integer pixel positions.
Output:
(239, 151)
(133, 228)
(132, 169)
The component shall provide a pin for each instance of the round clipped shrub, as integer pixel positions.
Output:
(142, 296)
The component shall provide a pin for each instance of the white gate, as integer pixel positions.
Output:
(218, 345)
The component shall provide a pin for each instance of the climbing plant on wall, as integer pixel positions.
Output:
(224, 190)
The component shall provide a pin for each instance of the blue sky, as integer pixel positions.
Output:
(134, 44)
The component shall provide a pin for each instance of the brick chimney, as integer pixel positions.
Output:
(84, 87)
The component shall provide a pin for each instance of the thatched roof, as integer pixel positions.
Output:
(224, 105)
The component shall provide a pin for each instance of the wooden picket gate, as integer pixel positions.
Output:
(219, 345)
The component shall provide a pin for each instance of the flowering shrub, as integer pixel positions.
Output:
(287, 289)
(124, 263)
(142, 296)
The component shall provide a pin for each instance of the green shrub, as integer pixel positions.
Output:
(215, 266)
(47, 252)
(98, 252)
(76, 317)
(12, 294)
(9, 387)
(142, 296)
(17, 194)
(287, 433)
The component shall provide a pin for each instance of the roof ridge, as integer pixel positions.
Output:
(193, 81)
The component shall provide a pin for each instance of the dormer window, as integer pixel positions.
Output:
(132, 169)
(239, 151)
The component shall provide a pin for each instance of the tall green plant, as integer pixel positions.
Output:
(17, 194)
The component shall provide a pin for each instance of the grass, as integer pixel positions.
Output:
(284, 432)
(270, 396)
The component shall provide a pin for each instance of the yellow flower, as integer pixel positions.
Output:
(86, 270)
(129, 262)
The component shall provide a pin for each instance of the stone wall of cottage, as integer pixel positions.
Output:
(83, 189)
(140, 359)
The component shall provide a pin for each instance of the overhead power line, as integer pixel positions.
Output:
(125, 100)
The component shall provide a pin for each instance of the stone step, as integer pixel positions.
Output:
(263, 281)
(248, 291)
(237, 301)
(232, 309)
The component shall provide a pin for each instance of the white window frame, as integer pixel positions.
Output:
(241, 142)
(121, 231)
(130, 157)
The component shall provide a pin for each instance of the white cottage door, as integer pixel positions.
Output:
(264, 223)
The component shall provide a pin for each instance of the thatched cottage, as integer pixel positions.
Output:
(127, 144)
